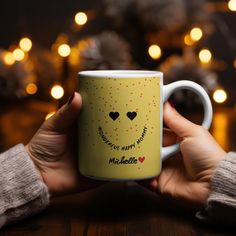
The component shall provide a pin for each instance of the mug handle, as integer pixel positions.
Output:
(186, 84)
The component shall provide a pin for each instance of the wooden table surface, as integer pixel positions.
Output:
(115, 208)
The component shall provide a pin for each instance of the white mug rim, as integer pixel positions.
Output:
(120, 73)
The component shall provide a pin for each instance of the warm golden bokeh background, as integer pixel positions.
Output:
(44, 44)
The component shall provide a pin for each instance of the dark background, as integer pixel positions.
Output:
(44, 20)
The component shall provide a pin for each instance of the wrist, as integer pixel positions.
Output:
(35, 165)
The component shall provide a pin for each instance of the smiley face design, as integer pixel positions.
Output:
(120, 111)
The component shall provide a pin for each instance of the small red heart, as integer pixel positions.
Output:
(141, 159)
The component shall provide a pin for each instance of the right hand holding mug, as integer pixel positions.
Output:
(187, 177)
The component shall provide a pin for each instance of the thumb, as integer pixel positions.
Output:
(177, 123)
(64, 118)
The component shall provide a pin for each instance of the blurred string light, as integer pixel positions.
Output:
(235, 63)
(31, 88)
(154, 51)
(49, 115)
(81, 18)
(57, 91)
(188, 40)
(25, 44)
(64, 50)
(232, 5)
(8, 58)
(205, 56)
(220, 96)
(18, 54)
(196, 34)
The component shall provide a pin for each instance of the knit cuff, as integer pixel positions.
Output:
(221, 204)
(22, 192)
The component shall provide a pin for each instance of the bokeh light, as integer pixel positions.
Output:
(81, 18)
(188, 40)
(25, 44)
(196, 34)
(8, 58)
(205, 56)
(57, 92)
(18, 54)
(31, 88)
(232, 5)
(64, 50)
(154, 51)
(220, 96)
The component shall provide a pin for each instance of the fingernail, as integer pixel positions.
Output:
(71, 98)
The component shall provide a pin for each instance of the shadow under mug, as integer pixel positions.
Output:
(121, 122)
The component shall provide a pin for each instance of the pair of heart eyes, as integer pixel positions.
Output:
(130, 115)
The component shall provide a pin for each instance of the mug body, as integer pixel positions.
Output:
(120, 124)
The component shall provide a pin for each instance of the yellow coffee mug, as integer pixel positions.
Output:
(120, 124)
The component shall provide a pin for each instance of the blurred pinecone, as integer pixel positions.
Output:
(180, 68)
(106, 51)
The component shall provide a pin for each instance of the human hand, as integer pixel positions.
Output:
(187, 177)
(53, 151)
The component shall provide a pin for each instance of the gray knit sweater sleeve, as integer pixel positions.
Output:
(22, 193)
(221, 204)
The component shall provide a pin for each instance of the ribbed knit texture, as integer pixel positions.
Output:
(221, 204)
(22, 193)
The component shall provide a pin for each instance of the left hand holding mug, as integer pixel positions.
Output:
(187, 177)
(53, 150)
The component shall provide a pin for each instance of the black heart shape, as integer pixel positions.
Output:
(114, 115)
(131, 115)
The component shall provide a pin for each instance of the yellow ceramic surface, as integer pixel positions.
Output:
(120, 126)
